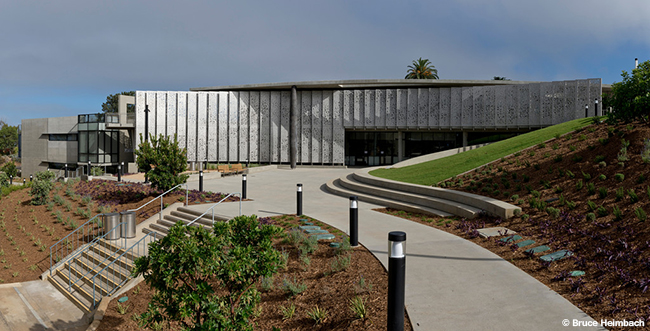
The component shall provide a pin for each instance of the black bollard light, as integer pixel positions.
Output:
(299, 200)
(119, 173)
(243, 186)
(31, 178)
(24, 180)
(354, 221)
(89, 167)
(596, 107)
(200, 180)
(396, 279)
(66, 170)
(122, 168)
(586, 110)
(11, 179)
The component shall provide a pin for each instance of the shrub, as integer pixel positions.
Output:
(571, 205)
(591, 188)
(579, 185)
(645, 153)
(553, 212)
(633, 197)
(602, 192)
(618, 215)
(630, 98)
(640, 214)
(591, 205)
(4, 180)
(41, 187)
(233, 258)
(162, 160)
(10, 169)
(599, 158)
(620, 194)
(96, 171)
(591, 217)
(619, 177)
(586, 176)
(602, 211)
(577, 158)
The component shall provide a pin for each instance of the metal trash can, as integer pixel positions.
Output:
(111, 220)
(128, 224)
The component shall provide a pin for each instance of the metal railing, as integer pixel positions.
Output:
(84, 232)
(100, 243)
(161, 199)
(109, 278)
(214, 205)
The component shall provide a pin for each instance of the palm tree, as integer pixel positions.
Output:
(422, 69)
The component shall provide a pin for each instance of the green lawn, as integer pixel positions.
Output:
(432, 172)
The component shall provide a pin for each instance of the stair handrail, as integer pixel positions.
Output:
(83, 232)
(95, 241)
(161, 199)
(214, 205)
(108, 293)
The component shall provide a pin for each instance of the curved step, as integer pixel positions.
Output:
(448, 206)
(490, 205)
(172, 220)
(334, 186)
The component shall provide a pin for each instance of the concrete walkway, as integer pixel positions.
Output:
(37, 305)
(451, 283)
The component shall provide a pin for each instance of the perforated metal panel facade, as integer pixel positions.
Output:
(236, 126)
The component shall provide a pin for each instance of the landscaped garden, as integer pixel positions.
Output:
(317, 286)
(27, 231)
(588, 192)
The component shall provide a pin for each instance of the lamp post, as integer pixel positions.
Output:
(89, 167)
(66, 170)
(586, 111)
(200, 180)
(243, 186)
(596, 107)
(354, 221)
(396, 279)
(146, 122)
(299, 200)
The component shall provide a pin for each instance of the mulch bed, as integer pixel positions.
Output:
(365, 277)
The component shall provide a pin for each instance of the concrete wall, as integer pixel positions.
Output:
(235, 126)
(37, 150)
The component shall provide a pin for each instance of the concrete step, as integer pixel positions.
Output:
(101, 262)
(157, 234)
(170, 221)
(334, 186)
(75, 298)
(84, 273)
(208, 217)
(451, 207)
(108, 277)
(75, 286)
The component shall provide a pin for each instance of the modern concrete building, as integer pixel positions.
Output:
(60, 143)
(348, 122)
(359, 122)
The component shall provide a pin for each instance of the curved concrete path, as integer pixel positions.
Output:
(451, 283)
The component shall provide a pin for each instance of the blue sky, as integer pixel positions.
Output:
(62, 58)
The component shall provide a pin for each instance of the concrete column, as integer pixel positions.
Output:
(464, 141)
(293, 129)
(400, 146)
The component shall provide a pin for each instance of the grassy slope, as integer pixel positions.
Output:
(432, 172)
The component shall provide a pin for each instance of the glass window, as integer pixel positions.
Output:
(83, 142)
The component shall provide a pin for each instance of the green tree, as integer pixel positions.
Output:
(110, 106)
(630, 99)
(206, 281)
(162, 160)
(499, 78)
(8, 137)
(421, 69)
